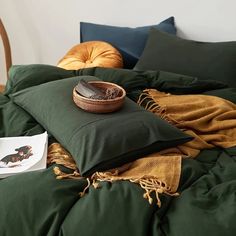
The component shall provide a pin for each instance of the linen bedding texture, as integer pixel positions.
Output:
(129, 41)
(206, 202)
(205, 60)
(97, 141)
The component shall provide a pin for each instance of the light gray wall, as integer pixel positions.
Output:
(42, 31)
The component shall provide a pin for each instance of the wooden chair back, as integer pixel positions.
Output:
(6, 46)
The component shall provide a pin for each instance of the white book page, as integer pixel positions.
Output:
(20, 154)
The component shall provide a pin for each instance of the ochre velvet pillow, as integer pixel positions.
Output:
(91, 54)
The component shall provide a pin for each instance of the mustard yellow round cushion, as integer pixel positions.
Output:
(91, 54)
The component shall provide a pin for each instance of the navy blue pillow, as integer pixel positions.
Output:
(129, 41)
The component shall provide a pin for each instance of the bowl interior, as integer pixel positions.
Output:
(104, 86)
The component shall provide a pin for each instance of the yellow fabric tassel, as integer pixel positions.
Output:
(62, 175)
(81, 194)
(57, 154)
(149, 184)
(154, 173)
(151, 104)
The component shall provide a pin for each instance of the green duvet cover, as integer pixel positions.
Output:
(37, 203)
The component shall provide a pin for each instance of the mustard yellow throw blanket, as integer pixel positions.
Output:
(210, 120)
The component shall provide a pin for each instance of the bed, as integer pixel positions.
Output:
(165, 164)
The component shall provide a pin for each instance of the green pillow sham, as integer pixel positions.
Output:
(205, 60)
(97, 141)
(24, 76)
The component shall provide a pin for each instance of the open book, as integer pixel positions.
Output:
(22, 154)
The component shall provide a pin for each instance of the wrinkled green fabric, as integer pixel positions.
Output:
(37, 204)
(41, 205)
(208, 203)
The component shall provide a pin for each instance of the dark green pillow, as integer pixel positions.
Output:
(205, 60)
(24, 76)
(97, 141)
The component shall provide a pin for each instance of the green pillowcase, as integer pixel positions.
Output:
(24, 76)
(97, 141)
(205, 60)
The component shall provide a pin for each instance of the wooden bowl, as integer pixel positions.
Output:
(100, 106)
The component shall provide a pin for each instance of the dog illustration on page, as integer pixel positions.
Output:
(23, 153)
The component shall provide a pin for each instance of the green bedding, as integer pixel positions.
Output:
(38, 204)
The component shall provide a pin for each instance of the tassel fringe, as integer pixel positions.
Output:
(62, 175)
(147, 101)
(81, 194)
(57, 154)
(147, 183)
